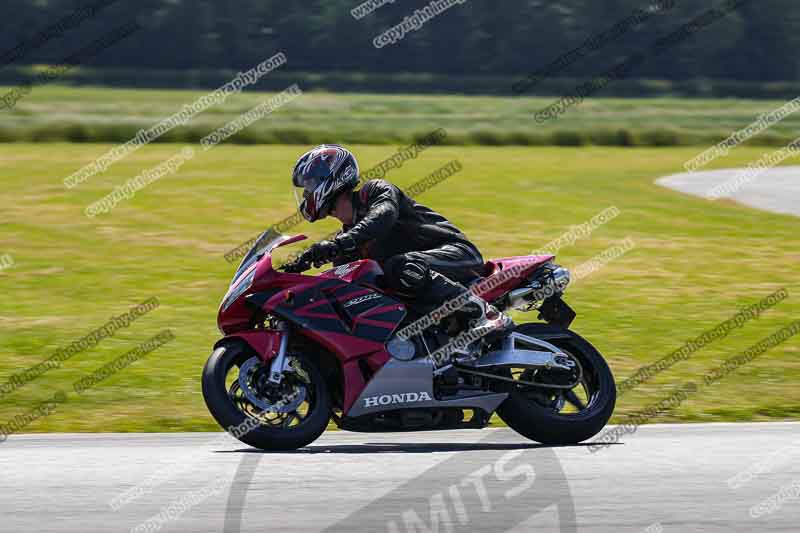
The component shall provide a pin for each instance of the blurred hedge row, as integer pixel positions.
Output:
(407, 83)
(119, 133)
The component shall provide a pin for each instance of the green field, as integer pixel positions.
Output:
(695, 262)
(53, 113)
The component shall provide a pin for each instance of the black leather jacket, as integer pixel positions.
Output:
(387, 222)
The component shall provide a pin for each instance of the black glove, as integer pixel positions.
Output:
(297, 266)
(321, 253)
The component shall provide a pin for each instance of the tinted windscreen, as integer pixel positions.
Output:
(265, 242)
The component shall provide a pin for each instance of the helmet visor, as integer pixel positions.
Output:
(306, 203)
(305, 187)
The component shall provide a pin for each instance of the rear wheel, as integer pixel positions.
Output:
(560, 415)
(242, 400)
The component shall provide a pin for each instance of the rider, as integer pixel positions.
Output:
(425, 258)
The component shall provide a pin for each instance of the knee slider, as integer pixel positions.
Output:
(409, 273)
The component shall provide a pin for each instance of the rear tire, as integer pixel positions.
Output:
(542, 424)
(228, 415)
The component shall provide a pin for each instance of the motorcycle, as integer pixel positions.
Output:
(299, 351)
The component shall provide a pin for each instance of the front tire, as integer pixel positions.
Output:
(231, 411)
(535, 414)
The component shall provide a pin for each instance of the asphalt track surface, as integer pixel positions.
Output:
(661, 477)
(776, 190)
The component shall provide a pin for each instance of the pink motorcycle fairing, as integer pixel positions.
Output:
(342, 309)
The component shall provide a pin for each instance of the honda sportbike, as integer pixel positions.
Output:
(301, 350)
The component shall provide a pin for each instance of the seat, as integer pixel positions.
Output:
(526, 262)
(525, 265)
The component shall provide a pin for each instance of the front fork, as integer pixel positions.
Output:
(281, 362)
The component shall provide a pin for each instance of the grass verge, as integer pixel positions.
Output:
(695, 264)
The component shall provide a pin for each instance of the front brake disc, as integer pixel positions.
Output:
(288, 403)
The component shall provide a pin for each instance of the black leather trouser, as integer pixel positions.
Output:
(429, 277)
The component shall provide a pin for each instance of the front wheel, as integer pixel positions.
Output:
(243, 401)
(560, 415)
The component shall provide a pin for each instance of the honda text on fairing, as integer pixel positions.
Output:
(300, 350)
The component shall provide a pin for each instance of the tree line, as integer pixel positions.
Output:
(756, 42)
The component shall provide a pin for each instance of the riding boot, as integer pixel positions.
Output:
(441, 289)
(476, 314)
